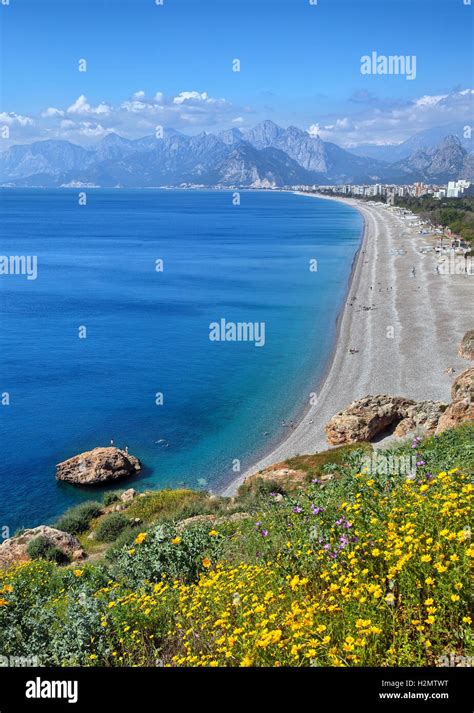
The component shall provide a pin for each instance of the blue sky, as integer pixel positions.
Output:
(300, 64)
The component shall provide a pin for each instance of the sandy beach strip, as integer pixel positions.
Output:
(428, 314)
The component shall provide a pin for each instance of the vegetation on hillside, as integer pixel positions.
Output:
(361, 569)
(454, 213)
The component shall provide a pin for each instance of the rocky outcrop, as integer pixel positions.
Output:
(466, 349)
(101, 465)
(14, 550)
(423, 415)
(128, 495)
(462, 408)
(289, 477)
(456, 414)
(362, 420)
(463, 386)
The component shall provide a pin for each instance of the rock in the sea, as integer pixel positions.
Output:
(466, 349)
(14, 550)
(369, 416)
(100, 465)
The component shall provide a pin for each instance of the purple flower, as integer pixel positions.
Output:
(315, 510)
(333, 555)
(326, 547)
(420, 462)
(297, 510)
(257, 524)
(343, 540)
(354, 539)
(264, 533)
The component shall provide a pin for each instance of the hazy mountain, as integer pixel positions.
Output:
(427, 139)
(441, 164)
(265, 155)
(46, 157)
(312, 153)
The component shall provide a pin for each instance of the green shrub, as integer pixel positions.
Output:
(42, 548)
(111, 527)
(165, 551)
(112, 496)
(78, 518)
(166, 505)
(125, 538)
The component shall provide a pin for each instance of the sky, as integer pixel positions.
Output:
(150, 65)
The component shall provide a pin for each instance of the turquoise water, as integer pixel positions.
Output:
(148, 331)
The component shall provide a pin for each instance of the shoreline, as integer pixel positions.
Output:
(383, 293)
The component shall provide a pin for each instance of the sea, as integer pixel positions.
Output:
(192, 326)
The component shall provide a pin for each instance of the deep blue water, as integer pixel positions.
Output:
(148, 332)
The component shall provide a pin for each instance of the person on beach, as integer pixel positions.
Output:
(413, 272)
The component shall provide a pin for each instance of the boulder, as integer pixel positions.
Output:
(462, 408)
(14, 550)
(365, 418)
(455, 414)
(423, 415)
(466, 349)
(289, 478)
(362, 420)
(463, 386)
(101, 465)
(128, 495)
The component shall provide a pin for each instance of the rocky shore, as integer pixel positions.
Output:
(399, 333)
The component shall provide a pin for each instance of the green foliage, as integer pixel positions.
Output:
(454, 213)
(42, 548)
(168, 505)
(112, 496)
(165, 551)
(111, 527)
(77, 519)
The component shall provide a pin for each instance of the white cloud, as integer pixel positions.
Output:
(11, 118)
(82, 107)
(383, 122)
(190, 96)
(52, 112)
(430, 100)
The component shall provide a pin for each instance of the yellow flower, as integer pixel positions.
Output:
(176, 540)
(467, 620)
(375, 552)
(429, 602)
(213, 533)
(206, 562)
(426, 558)
(454, 597)
(141, 537)
(3, 602)
(78, 572)
(390, 598)
(246, 661)
(131, 552)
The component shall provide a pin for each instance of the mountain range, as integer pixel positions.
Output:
(264, 156)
